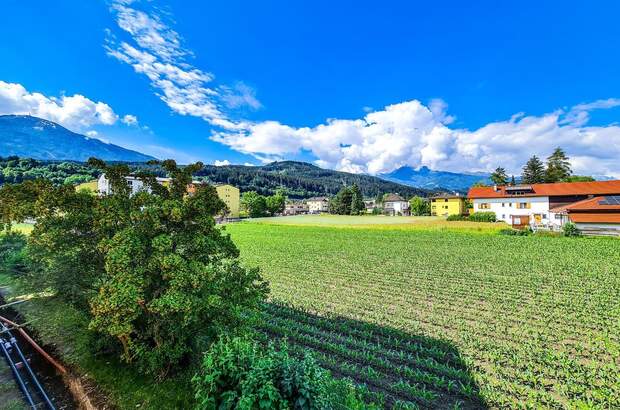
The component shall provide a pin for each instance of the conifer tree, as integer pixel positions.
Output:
(533, 171)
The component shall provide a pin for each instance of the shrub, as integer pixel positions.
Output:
(515, 232)
(571, 230)
(239, 373)
(457, 218)
(483, 217)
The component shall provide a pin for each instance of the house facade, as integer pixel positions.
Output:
(446, 205)
(296, 208)
(318, 204)
(105, 188)
(394, 204)
(537, 205)
(227, 193)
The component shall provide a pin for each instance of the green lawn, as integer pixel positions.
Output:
(440, 318)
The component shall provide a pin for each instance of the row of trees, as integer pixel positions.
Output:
(257, 205)
(557, 169)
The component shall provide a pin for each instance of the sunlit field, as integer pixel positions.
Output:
(444, 318)
(380, 221)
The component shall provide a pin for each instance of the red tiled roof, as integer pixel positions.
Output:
(613, 218)
(557, 189)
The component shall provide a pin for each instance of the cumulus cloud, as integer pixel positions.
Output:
(219, 163)
(413, 134)
(75, 112)
(130, 119)
(156, 51)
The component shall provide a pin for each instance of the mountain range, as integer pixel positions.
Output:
(433, 180)
(32, 137)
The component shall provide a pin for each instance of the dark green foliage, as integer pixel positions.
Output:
(457, 218)
(499, 176)
(571, 230)
(357, 201)
(158, 279)
(341, 203)
(257, 205)
(578, 178)
(483, 217)
(14, 170)
(238, 373)
(13, 258)
(298, 179)
(558, 166)
(301, 180)
(276, 203)
(419, 206)
(533, 171)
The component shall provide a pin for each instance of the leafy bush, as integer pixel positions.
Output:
(483, 217)
(571, 230)
(239, 373)
(515, 232)
(457, 218)
(12, 253)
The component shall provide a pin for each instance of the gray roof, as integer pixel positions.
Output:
(393, 198)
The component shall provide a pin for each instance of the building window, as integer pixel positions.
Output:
(484, 205)
(503, 204)
(522, 205)
(503, 216)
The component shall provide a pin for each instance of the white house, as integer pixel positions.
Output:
(105, 188)
(394, 204)
(538, 205)
(318, 204)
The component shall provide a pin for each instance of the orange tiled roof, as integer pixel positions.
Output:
(557, 189)
(608, 218)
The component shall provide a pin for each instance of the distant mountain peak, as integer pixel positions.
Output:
(33, 137)
(424, 177)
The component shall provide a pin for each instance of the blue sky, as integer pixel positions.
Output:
(357, 86)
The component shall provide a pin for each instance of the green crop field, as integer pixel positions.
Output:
(445, 319)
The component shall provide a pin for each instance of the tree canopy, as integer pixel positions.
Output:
(158, 279)
(533, 171)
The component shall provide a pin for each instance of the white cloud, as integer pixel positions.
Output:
(222, 163)
(240, 95)
(158, 53)
(130, 119)
(413, 134)
(75, 112)
(92, 133)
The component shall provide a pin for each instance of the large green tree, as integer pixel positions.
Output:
(155, 274)
(533, 171)
(341, 203)
(357, 201)
(275, 203)
(558, 166)
(254, 204)
(499, 176)
(419, 206)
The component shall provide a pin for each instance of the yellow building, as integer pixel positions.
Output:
(446, 205)
(230, 195)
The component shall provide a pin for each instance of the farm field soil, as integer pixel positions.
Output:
(437, 319)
